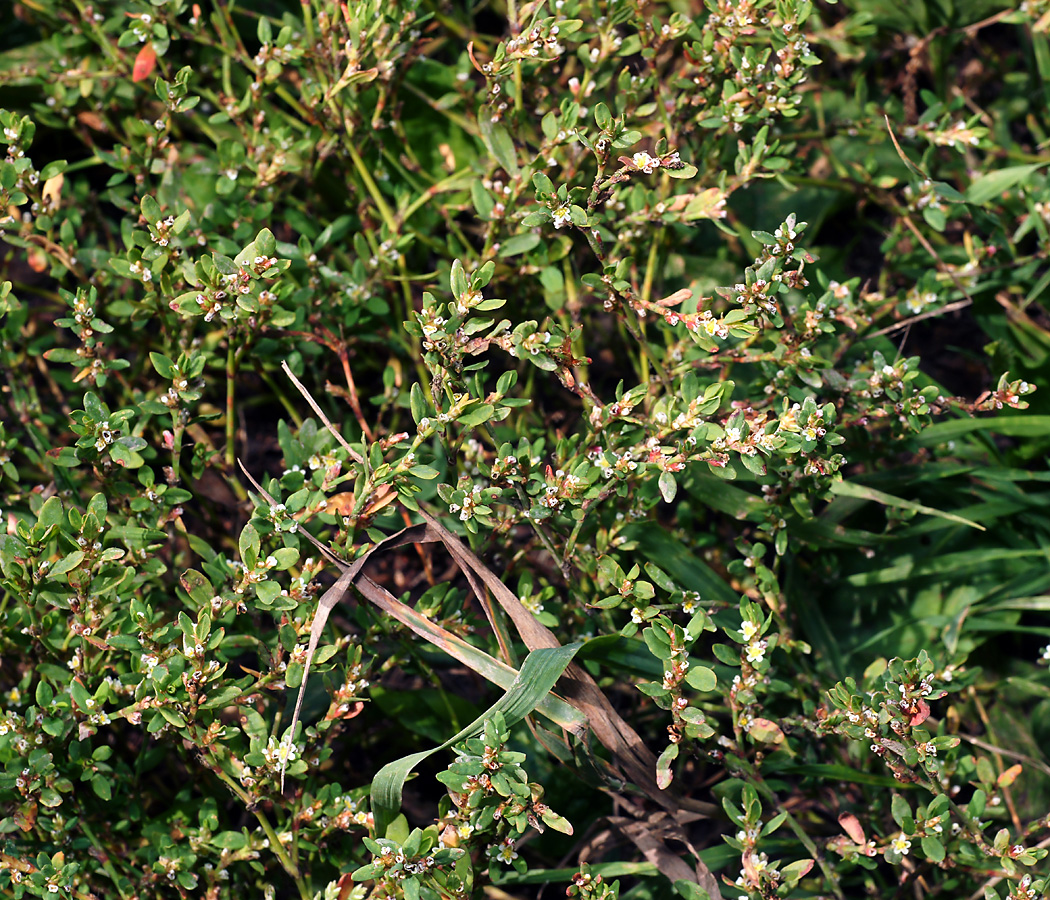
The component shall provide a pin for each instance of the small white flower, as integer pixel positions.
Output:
(562, 217)
(506, 852)
(645, 162)
(756, 651)
(901, 844)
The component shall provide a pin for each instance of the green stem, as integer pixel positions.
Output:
(100, 36)
(83, 164)
(464, 123)
(275, 844)
(392, 226)
(512, 18)
(449, 183)
(538, 528)
(306, 116)
(308, 21)
(373, 189)
(231, 378)
(830, 874)
(82, 823)
(176, 445)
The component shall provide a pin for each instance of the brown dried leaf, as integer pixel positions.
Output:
(643, 833)
(52, 190)
(92, 120)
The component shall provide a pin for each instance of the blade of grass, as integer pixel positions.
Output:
(539, 673)
(1011, 426)
(851, 489)
(949, 563)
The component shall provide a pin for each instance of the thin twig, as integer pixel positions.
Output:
(353, 454)
(904, 323)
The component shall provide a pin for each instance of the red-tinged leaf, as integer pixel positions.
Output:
(25, 816)
(766, 731)
(92, 120)
(664, 772)
(921, 714)
(1009, 776)
(145, 63)
(851, 825)
(794, 872)
(352, 710)
(37, 259)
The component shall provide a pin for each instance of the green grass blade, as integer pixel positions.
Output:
(991, 185)
(1011, 426)
(539, 673)
(850, 489)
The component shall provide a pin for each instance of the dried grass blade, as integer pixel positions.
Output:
(629, 752)
(353, 454)
(646, 835)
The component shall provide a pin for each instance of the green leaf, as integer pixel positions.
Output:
(687, 171)
(933, 848)
(668, 486)
(499, 143)
(124, 456)
(67, 563)
(52, 169)
(44, 694)
(64, 457)
(249, 545)
(458, 279)
(150, 209)
(100, 785)
(418, 402)
(479, 415)
(537, 677)
(690, 890)
(427, 473)
(602, 117)
(520, 243)
(793, 872)
(701, 678)
(52, 798)
(1011, 426)
(542, 183)
(482, 199)
(990, 185)
(266, 243)
(222, 698)
(538, 217)
(862, 492)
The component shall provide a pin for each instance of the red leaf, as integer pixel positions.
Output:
(145, 62)
(921, 714)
